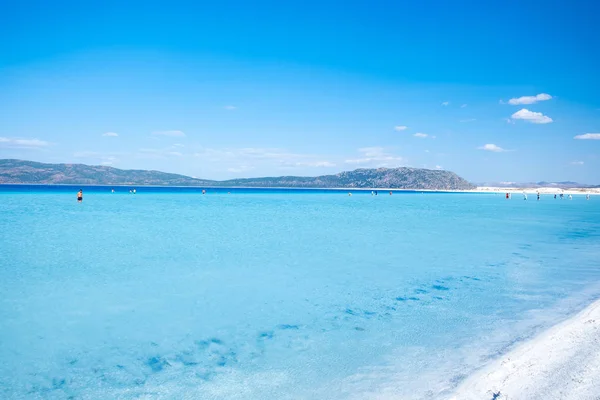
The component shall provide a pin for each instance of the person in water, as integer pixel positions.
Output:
(538, 196)
(80, 196)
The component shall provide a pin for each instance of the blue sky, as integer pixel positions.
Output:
(238, 89)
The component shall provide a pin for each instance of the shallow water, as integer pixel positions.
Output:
(278, 294)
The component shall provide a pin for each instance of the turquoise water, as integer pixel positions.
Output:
(286, 295)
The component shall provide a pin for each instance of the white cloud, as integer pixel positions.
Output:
(158, 153)
(269, 154)
(463, 106)
(31, 142)
(177, 145)
(315, 164)
(510, 121)
(324, 164)
(467, 120)
(426, 151)
(239, 169)
(111, 134)
(531, 116)
(400, 128)
(359, 160)
(445, 103)
(529, 99)
(83, 154)
(169, 133)
(231, 108)
(23, 143)
(438, 167)
(255, 157)
(588, 136)
(147, 150)
(577, 162)
(95, 157)
(420, 135)
(491, 147)
(109, 160)
(376, 156)
(154, 154)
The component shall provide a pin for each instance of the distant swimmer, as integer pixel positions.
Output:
(570, 197)
(376, 193)
(372, 193)
(538, 196)
(349, 193)
(133, 191)
(113, 190)
(390, 192)
(562, 196)
(555, 196)
(507, 196)
(80, 196)
(203, 191)
(587, 196)
(524, 196)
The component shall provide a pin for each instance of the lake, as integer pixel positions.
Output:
(287, 294)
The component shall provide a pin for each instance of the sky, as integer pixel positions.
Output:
(496, 91)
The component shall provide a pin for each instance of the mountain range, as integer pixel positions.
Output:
(30, 172)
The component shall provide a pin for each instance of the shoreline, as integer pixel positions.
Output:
(540, 190)
(562, 362)
(480, 189)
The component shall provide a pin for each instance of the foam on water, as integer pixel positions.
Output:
(278, 294)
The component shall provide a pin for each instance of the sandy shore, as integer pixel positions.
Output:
(561, 363)
(543, 190)
(486, 189)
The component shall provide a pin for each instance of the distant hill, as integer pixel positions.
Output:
(19, 171)
(29, 172)
(396, 178)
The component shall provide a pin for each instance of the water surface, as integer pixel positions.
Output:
(278, 294)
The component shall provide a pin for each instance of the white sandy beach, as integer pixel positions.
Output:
(561, 363)
(541, 190)
(485, 189)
